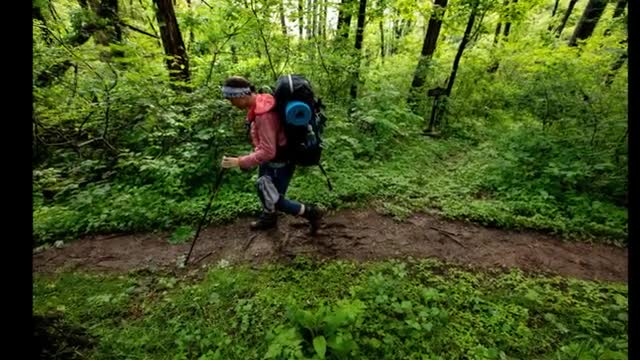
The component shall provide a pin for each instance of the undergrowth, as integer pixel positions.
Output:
(487, 181)
(339, 310)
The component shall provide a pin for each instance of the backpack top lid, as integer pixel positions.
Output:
(293, 88)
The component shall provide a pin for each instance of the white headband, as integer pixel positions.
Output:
(232, 92)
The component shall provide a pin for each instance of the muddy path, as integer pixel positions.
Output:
(360, 235)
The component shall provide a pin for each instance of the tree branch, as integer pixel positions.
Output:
(108, 108)
(71, 52)
(138, 30)
(264, 40)
(206, 3)
(235, 32)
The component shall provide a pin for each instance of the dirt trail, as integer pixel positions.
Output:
(354, 235)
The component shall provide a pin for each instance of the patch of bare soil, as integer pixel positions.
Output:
(355, 235)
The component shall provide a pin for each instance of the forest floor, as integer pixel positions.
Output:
(360, 235)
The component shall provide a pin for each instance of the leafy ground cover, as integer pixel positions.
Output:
(420, 309)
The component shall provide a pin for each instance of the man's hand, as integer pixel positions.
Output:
(229, 162)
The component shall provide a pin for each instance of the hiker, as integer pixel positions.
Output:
(268, 138)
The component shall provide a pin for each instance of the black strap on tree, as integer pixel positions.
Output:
(206, 212)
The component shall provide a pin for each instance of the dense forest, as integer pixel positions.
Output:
(507, 113)
(490, 133)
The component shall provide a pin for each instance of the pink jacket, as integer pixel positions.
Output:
(266, 132)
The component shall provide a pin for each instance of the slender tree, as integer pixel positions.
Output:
(461, 48)
(300, 18)
(620, 5)
(309, 26)
(507, 26)
(429, 44)
(177, 62)
(82, 32)
(496, 38)
(283, 21)
(617, 12)
(344, 18)
(380, 8)
(111, 31)
(314, 27)
(36, 14)
(567, 13)
(456, 61)
(358, 45)
(588, 21)
(555, 8)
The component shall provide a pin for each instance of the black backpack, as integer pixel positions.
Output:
(301, 116)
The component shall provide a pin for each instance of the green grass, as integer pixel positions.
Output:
(462, 179)
(383, 310)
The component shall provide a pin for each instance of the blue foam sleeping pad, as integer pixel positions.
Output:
(298, 113)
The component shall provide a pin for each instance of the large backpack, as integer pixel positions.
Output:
(301, 116)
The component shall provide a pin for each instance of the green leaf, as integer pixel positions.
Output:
(320, 345)
(623, 317)
(274, 350)
(181, 234)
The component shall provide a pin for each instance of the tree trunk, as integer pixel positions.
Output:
(397, 32)
(283, 21)
(567, 13)
(429, 43)
(80, 36)
(314, 17)
(358, 45)
(301, 18)
(317, 8)
(381, 25)
(588, 21)
(191, 37)
(344, 18)
(397, 29)
(309, 19)
(614, 68)
(111, 31)
(407, 28)
(36, 13)
(360, 29)
(497, 34)
(619, 10)
(553, 15)
(234, 55)
(400, 28)
(555, 8)
(178, 63)
(623, 57)
(496, 38)
(318, 17)
(323, 20)
(507, 26)
(53, 72)
(381, 7)
(456, 62)
(620, 5)
(463, 44)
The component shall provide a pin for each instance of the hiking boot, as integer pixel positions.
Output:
(314, 215)
(265, 221)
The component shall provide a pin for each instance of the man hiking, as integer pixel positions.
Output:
(268, 138)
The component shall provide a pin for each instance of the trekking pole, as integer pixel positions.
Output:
(206, 211)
